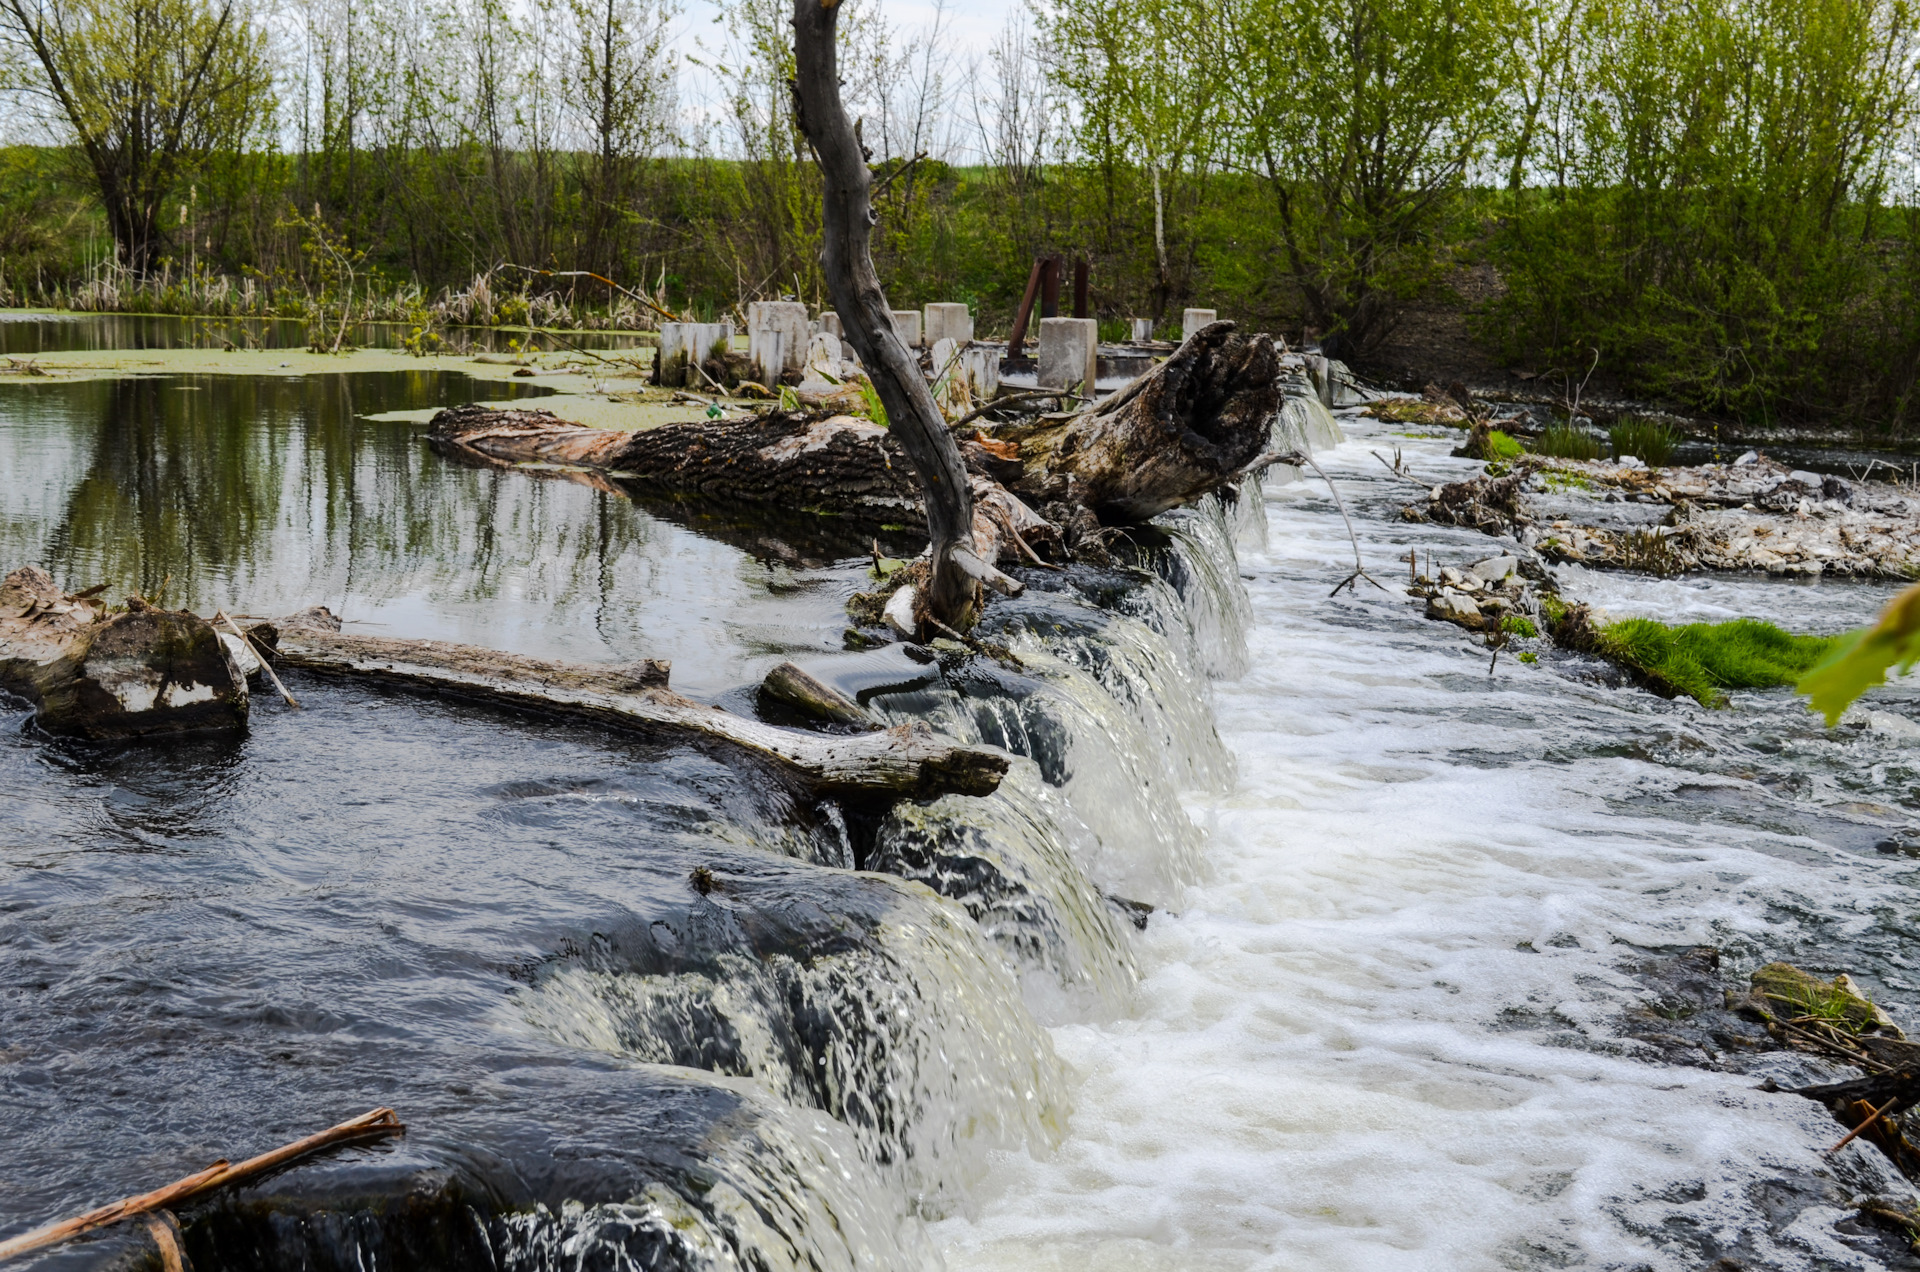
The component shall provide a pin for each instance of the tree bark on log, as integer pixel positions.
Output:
(94, 674)
(847, 219)
(1182, 429)
(1193, 422)
(876, 767)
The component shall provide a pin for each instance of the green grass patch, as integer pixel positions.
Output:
(1703, 660)
(1518, 625)
(1649, 441)
(1563, 441)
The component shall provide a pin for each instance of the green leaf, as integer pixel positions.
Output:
(1861, 660)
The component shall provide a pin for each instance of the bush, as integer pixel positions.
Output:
(1649, 441)
(1566, 441)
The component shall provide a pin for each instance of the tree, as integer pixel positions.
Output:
(1365, 119)
(619, 85)
(148, 89)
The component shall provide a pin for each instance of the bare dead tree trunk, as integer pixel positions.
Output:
(845, 259)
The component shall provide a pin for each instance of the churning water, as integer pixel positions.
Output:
(1294, 939)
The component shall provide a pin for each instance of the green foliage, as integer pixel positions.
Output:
(1860, 660)
(1567, 441)
(1502, 447)
(1518, 625)
(1363, 117)
(1702, 660)
(1708, 203)
(876, 410)
(1650, 441)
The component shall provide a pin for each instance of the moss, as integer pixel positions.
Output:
(1703, 660)
(1563, 479)
(1501, 446)
(1528, 657)
(1518, 625)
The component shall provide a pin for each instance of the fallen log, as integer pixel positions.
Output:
(901, 762)
(1185, 428)
(1177, 432)
(373, 1125)
(93, 673)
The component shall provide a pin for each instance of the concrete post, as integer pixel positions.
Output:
(949, 386)
(776, 338)
(907, 323)
(684, 343)
(830, 323)
(948, 322)
(981, 366)
(1142, 330)
(1069, 354)
(1194, 319)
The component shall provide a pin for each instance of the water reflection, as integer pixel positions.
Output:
(30, 333)
(267, 494)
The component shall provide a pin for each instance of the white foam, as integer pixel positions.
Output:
(1380, 1031)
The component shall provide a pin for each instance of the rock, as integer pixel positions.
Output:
(1494, 569)
(1454, 607)
(899, 614)
(1748, 458)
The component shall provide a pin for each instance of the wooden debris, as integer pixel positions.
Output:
(792, 685)
(372, 1125)
(93, 673)
(885, 765)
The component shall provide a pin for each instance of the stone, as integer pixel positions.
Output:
(899, 614)
(683, 345)
(829, 324)
(947, 322)
(777, 338)
(1069, 354)
(1493, 569)
(906, 322)
(1142, 330)
(1454, 607)
(1192, 320)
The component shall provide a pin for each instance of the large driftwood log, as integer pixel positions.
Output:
(1184, 428)
(846, 226)
(884, 765)
(94, 674)
(835, 463)
(1177, 432)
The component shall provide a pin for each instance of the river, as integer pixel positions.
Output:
(1390, 1008)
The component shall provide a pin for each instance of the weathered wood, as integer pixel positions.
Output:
(847, 218)
(811, 696)
(1177, 432)
(894, 763)
(373, 1125)
(94, 674)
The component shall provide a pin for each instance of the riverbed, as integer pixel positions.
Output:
(1388, 1008)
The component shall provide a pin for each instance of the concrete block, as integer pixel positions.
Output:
(948, 322)
(1193, 319)
(1069, 354)
(777, 332)
(980, 369)
(907, 323)
(682, 343)
(1142, 330)
(830, 324)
